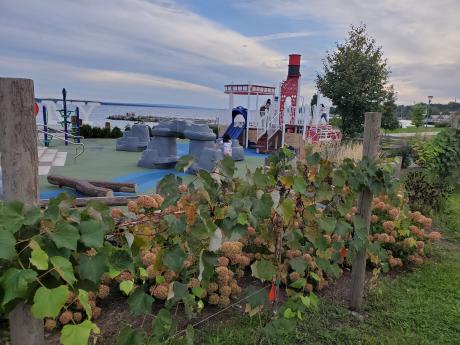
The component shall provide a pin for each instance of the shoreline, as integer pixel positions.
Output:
(158, 119)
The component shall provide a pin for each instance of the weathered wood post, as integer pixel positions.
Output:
(370, 150)
(19, 160)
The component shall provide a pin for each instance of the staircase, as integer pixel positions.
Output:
(268, 145)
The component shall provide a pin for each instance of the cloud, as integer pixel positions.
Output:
(412, 33)
(133, 42)
(281, 35)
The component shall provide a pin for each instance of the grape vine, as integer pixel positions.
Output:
(292, 225)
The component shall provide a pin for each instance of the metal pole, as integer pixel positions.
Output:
(45, 127)
(77, 113)
(64, 102)
(249, 115)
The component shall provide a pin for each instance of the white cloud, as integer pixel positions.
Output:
(281, 35)
(134, 42)
(412, 33)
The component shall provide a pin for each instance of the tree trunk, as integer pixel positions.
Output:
(370, 150)
(18, 148)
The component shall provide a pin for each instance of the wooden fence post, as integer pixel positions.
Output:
(19, 160)
(370, 150)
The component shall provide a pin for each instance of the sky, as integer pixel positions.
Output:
(185, 51)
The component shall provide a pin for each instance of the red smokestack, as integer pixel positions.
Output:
(294, 65)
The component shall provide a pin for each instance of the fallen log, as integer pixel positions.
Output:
(126, 187)
(81, 186)
(109, 201)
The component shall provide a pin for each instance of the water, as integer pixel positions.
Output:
(96, 114)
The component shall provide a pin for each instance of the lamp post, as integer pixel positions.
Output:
(428, 110)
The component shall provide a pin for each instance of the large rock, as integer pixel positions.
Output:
(162, 149)
(237, 151)
(136, 139)
(161, 153)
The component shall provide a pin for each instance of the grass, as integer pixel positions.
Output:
(415, 130)
(418, 307)
(450, 215)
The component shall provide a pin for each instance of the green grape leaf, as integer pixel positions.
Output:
(127, 286)
(11, 218)
(92, 267)
(343, 227)
(300, 185)
(65, 235)
(184, 163)
(327, 224)
(260, 179)
(286, 209)
(49, 302)
(162, 324)
(287, 181)
(178, 292)
(206, 265)
(314, 276)
(175, 226)
(140, 303)
(122, 260)
(313, 158)
(256, 297)
(91, 233)
(83, 297)
(174, 259)
(298, 264)
(64, 268)
(263, 269)
(130, 336)
(227, 166)
(78, 334)
(338, 178)
(15, 283)
(298, 284)
(7, 245)
(262, 207)
(32, 216)
(38, 256)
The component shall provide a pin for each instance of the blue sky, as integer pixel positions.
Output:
(184, 51)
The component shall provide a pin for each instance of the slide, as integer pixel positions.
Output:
(238, 125)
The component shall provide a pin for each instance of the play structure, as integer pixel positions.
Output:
(135, 139)
(287, 121)
(161, 152)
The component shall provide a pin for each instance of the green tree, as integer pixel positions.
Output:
(418, 114)
(354, 78)
(388, 109)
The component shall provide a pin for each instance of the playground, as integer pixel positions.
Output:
(101, 161)
(144, 155)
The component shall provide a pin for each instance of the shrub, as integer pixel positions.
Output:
(116, 133)
(439, 161)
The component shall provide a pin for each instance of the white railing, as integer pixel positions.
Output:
(257, 120)
(52, 135)
(273, 124)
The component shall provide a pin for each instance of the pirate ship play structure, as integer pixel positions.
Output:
(287, 121)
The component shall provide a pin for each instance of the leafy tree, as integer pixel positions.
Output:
(354, 78)
(388, 109)
(418, 114)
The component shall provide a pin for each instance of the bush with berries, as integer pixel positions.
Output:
(291, 225)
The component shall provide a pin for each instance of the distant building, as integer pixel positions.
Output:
(439, 119)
